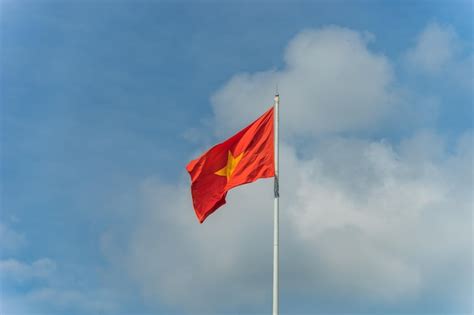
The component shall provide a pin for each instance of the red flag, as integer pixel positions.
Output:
(241, 159)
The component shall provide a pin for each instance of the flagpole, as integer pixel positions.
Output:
(276, 208)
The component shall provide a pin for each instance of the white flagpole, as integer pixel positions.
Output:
(276, 209)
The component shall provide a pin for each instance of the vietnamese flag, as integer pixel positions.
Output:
(241, 159)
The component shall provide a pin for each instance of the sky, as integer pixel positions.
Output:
(103, 103)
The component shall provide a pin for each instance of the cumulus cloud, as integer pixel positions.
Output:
(363, 221)
(40, 287)
(188, 264)
(435, 48)
(10, 240)
(373, 210)
(48, 300)
(21, 271)
(331, 82)
(58, 300)
(440, 53)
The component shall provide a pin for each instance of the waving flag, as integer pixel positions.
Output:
(241, 159)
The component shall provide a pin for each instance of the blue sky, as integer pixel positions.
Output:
(103, 103)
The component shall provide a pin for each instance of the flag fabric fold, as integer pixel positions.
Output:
(241, 159)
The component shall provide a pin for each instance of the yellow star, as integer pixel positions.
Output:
(231, 165)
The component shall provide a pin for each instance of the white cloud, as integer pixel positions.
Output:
(10, 240)
(362, 221)
(373, 212)
(90, 301)
(21, 271)
(331, 82)
(435, 48)
(38, 287)
(356, 216)
(48, 300)
(189, 262)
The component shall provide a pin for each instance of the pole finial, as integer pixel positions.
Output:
(276, 90)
